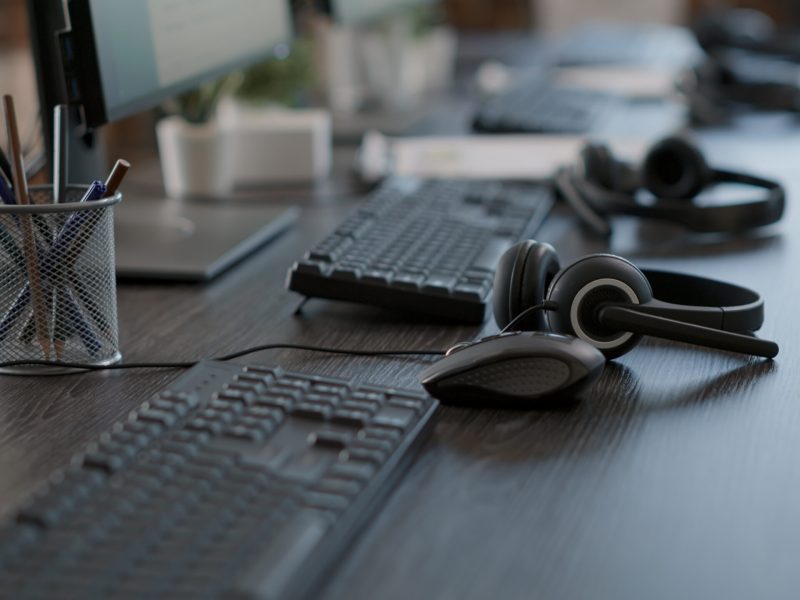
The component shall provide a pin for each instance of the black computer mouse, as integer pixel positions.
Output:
(517, 370)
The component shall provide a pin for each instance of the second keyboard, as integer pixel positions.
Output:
(429, 247)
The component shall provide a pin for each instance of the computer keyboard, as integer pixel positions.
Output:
(539, 106)
(243, 482)
(429, 247)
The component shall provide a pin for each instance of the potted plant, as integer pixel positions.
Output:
(193, 149)
(219, 135)
(274, 136)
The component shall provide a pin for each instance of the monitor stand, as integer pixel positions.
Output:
(190, 241)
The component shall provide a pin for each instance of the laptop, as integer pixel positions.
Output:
(191, 241)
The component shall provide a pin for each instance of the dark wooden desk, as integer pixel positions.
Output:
(677, 476)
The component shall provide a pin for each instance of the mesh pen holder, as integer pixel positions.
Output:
(58, 295)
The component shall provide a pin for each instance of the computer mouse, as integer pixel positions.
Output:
(522, 369)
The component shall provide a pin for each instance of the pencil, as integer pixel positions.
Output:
(116, 176)
(28, 239)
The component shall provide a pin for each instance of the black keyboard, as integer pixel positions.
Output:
(539, 106)
(244, 482)
(429, 247)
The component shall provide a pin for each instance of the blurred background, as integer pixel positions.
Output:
(330, 80)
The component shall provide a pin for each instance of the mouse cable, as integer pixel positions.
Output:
(546, 305)
(80, 367)
(225, 357)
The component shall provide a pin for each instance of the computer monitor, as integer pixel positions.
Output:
(112, 58)
(132, 55)
(356, 12)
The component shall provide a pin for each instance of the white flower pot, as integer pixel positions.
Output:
(275, 145)
(195, 159)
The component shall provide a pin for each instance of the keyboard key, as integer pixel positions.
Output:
(330, 439)
(346, 273)
(352, 469)
(394, 416)
(377, 277)
(470, 291)
(312, 411)
(439, 285)
(159, 417)
(353, 418)
(408, 281)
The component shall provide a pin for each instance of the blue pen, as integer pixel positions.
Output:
(6, 194)
(89, 339)
(74, 224)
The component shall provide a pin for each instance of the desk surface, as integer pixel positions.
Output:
(678, 475)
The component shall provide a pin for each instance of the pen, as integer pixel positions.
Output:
(5, 167)
(73, 311)
(29, 244)
(60, 153)
(93, 309)
(6, 195)
(112, 184)
(65, 302)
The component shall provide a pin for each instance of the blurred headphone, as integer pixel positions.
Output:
(674, 172)
(744, 29)
(608, 302)
(714, 89)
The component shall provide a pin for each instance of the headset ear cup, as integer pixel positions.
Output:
(596, 164)
(521, 280)
(508, 268)
(583, 287)
(675, 169)
(540, 269)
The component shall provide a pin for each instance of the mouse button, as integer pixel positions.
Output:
(525, 377)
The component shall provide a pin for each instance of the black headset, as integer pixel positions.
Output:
(745, 29)
(674, 172)
(714, 90)
(725, 81)
(610, 303)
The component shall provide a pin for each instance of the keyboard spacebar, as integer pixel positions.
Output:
(489, 257)
(282, 559)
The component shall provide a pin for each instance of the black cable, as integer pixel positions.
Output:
(225, 357)
(546, 305)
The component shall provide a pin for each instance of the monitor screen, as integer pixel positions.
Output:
(149, 50)
(353, 12)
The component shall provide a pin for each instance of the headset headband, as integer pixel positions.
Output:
(703, 301)
(703, 218)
